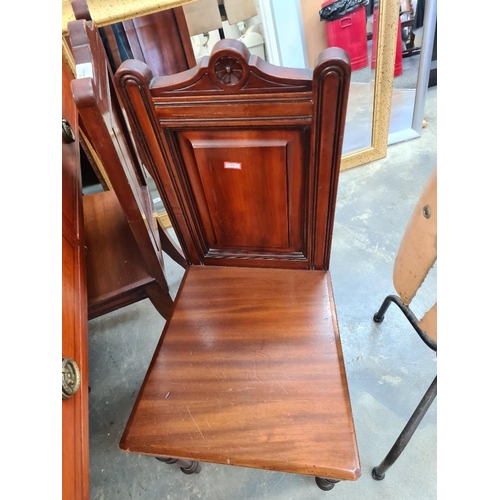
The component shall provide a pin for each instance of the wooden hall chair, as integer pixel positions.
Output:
(123, 240)
(416, 256)
(249, 369)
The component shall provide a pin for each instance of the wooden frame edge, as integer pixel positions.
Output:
(384, 76)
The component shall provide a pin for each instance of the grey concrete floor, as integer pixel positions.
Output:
(388, 366)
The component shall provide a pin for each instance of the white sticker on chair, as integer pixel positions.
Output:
(84, 70)
(232, 164)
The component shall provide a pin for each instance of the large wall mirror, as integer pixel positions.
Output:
(291, 33)
(410, 86)
(390, 43)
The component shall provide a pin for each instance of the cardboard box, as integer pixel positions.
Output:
(202, 16)
(239, 10)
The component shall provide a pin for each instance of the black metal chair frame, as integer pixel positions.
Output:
(402, 441)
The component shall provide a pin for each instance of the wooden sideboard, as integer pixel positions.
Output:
(75, 448)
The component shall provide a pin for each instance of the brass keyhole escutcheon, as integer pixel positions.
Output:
(67, 132)
(70, 377)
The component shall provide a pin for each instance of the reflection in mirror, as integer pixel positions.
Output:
(209, 21)
(292, 33)
(411, 77)
(353, 31)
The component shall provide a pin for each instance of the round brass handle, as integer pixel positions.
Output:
(70, 377)
(67, 132)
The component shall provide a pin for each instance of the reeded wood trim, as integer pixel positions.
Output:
(331, 83)
(133, 84)
(94, 159)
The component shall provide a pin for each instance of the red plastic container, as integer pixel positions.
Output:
(398, 64)
(349, 33)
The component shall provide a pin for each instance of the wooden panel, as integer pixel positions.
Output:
(187, 112)
(162, 41)
(114, 262)
(75, 454)
(249, 372)
(249, 186)
(418, 249)
(232, 92)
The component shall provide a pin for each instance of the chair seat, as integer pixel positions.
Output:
(116, 271)
(249, 372)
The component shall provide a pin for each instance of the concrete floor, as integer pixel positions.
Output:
(388, 366)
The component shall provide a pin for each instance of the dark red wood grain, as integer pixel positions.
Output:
(249, 372)
(117, 266)
(161, 40)
(283, 126)
(75, 429)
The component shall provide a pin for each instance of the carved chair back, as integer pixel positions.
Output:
(245, 154)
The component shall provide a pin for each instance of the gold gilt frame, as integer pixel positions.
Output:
(384, 75)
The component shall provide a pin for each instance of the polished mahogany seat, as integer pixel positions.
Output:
(249, 369)
(250, 373)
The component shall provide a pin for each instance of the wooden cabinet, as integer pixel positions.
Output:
(75, 455)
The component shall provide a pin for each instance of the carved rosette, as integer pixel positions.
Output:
(228, 70)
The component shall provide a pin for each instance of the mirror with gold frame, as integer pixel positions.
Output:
(299, 50)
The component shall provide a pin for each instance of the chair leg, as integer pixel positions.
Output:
(380, 314)
(325, 483)
(378, 472)
(186, 466)
(160, 299)
(170, 247)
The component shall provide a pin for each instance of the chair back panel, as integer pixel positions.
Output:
(418, 249)
(245, 155)
(428, 322)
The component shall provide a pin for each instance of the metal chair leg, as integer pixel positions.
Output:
(378, 472)
(380, 314)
